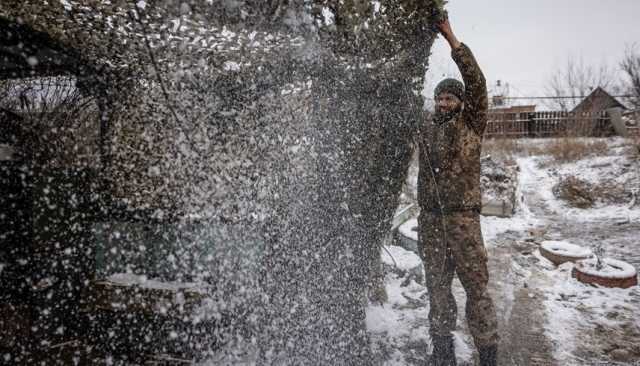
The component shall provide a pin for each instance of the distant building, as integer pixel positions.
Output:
(594, 106)
(599, 100)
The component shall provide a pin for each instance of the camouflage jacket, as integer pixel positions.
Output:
(449, 175)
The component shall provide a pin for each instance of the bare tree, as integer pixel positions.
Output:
(631, 67)
(575, 80)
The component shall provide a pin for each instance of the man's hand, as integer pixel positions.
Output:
(445, 29)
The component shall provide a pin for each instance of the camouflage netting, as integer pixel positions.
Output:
(285, 126)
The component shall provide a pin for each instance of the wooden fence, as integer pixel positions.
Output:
(548, 124)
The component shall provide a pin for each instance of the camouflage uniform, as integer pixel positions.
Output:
(450, 201)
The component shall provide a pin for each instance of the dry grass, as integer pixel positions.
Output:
(567, 149)
(576, 192)
(561, 150)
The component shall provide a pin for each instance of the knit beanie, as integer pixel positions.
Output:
(452, 86)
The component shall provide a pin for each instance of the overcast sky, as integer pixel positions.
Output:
(524, 42)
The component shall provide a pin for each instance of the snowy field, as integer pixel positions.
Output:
(546, 317)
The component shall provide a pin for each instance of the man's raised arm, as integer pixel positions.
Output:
(476, 101)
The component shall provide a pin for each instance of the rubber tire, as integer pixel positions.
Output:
(558, 259)
(624, 282)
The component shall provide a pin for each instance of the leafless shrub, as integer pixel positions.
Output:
(577, 192)
(611, 192)
(582, 194)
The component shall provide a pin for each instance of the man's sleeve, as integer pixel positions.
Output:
(476, 102)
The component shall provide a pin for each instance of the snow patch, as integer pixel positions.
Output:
(382, 319)
(400, 257)
(493, 226)
(409, 229)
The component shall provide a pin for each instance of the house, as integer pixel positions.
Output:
(592, 113)
(599, 100)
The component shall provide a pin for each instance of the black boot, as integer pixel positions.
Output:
(488, 355)
(443, 352)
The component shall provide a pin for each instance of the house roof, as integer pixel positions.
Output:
(598, 100)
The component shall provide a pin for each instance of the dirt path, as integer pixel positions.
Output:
(515, 287)
(521, 316)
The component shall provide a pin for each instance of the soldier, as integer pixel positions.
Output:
(449, 198)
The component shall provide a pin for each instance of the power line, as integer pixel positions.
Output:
(558, 97)
(567, 97)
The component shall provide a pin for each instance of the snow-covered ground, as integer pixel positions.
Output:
(589, 324)
(578, 324)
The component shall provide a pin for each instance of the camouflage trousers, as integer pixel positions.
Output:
(456, 246)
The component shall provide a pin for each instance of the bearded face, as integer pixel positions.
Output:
(447, 107)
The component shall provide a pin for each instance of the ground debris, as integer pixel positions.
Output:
(583, 194)
(575, 191)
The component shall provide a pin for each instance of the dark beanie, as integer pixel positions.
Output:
(452, 86)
